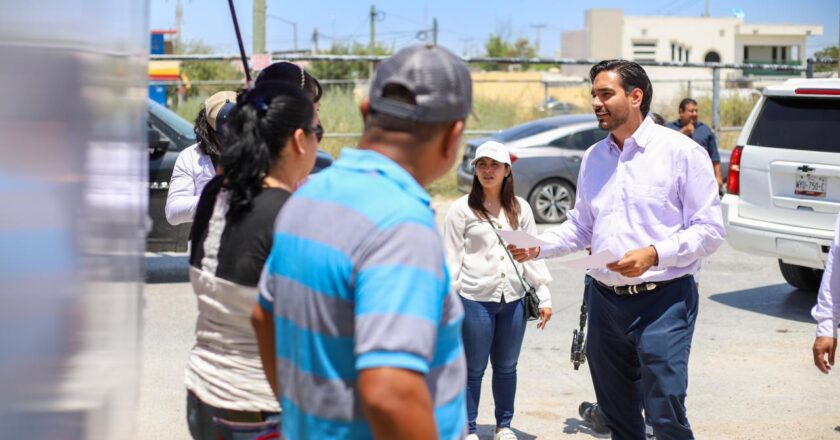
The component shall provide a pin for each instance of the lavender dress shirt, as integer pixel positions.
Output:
(659, 190)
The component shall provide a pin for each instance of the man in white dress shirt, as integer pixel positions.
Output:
(827, 310)
(647, 193)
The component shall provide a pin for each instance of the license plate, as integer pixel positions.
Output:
(811, 185)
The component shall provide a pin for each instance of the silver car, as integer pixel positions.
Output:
(546, 156)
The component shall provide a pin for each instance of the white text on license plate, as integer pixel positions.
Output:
(810, 185)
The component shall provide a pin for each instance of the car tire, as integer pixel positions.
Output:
(551, 199)
(801, 277)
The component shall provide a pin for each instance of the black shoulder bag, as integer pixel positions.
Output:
(530, 302)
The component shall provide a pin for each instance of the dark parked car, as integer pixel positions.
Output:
(169, 134)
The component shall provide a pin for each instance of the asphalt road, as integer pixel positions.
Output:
(751, 372)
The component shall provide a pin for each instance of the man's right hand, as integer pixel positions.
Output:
(523, 254)
(688, 129)
(824, 345)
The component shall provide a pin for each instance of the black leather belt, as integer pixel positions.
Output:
(638, 288)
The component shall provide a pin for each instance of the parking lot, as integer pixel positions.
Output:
(751, 373)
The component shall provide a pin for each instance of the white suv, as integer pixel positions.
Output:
(783, 189)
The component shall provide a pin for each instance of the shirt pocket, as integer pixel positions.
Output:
(650, 204)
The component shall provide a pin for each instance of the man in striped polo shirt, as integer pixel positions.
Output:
(365, 339)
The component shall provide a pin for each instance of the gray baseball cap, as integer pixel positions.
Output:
(439, 80)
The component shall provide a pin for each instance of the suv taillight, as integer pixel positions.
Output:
(733, 180)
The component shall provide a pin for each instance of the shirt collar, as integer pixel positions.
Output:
(370, 161)
(639, 138)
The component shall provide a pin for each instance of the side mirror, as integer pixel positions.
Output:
(158, 146)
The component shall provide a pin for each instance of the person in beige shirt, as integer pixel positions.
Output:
(486, 278)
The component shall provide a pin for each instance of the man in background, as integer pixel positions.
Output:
(701, 133)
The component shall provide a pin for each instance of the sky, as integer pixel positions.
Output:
(463, 25)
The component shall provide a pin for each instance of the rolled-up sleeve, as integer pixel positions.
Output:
(827, 310)
(453, 242)
(704, 231)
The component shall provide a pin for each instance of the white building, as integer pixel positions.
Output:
(608, 33)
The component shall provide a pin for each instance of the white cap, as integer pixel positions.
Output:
(494, 150)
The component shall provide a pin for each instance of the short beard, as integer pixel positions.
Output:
(613, 123)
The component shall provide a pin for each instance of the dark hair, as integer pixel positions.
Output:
(291, 73)
(510, 206)
(264, 119)
(421, 131)
(208, 143)
(632, 75)
(657, 118)
(685, 102)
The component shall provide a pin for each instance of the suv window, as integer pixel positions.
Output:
(580, 140)
(797, 124)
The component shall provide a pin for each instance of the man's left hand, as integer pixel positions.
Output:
(635, 262)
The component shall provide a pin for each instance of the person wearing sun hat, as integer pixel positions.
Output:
(196, 164)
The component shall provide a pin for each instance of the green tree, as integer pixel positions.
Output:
(500, 47)
(347, 69)
(828, 52)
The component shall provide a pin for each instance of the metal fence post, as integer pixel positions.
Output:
(809, 68)
(715, 99)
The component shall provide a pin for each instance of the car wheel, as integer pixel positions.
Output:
(801, 277)
(551, 200)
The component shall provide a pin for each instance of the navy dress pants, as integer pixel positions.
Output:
(638, 347)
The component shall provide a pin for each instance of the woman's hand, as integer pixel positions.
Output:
(545, 316)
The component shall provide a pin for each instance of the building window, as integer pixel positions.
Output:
(722, 33)
(687, 51)
(784, 54)
(673, 52)
(746, 53)
(711, 57)
(644, 50)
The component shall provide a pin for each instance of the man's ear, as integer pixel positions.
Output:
(452, 140)
(636, 97)
(364, 109)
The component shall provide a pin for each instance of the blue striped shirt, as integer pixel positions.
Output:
(356, 279)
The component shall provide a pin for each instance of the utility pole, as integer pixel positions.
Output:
(539, 28)
(179, 21)
(294, 27)
(434, 30)
(315, 41)
(372, 42)
(259, 27)
(706, 14)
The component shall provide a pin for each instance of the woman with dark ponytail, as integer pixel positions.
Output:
(274, 141)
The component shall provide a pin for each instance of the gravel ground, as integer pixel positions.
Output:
(751, 373)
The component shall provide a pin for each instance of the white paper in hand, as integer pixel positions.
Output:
(521, 239)
(594, 261)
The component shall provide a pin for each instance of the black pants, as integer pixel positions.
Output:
(638, 347)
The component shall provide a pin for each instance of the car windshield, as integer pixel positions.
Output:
(798, 124)
(524, 130)
(172, 120)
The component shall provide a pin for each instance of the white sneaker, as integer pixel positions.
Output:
(505, 434)
(472, 437)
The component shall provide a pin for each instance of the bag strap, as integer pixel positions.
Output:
(525, 285)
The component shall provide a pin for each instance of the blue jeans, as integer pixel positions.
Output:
(495, 331)
(210, 423)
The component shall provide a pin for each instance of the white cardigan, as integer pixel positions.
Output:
(479, 266)
(193, 169)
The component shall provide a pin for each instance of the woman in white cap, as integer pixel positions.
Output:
(490, 283)
(196, 164)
